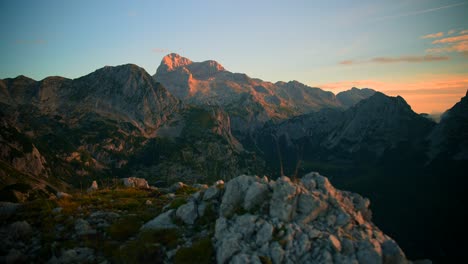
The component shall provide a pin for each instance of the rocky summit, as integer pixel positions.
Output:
(257, 220)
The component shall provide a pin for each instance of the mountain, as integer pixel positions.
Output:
(115, 121)
(449, 139)
(250, 102)
(60, 134)
(368, 131)
(353, 96)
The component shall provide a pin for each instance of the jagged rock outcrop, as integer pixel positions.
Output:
(286, 221)
(250, 102)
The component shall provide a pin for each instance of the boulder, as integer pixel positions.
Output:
(93, 187)
(283, 201)
(234, 193)
(188, 213)
(19, 230)
(305, 221)
(162, 221)
(75, 255)
(63, 195)
(82, 227)
(255, 195)
(135, 182)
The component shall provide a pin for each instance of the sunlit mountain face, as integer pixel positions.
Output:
(233, 132)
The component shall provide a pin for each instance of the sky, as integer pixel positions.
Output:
(414, 48)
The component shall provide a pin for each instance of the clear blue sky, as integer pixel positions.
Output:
(333, 44)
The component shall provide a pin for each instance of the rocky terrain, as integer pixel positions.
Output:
(196, 122)
(250, 102)
(245, 220)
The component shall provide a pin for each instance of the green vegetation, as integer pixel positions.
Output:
(265, 260)
(201, 251)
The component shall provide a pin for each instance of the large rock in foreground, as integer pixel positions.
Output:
(305, 221)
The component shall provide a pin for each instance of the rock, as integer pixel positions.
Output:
(227, 248)
(188, 213)
(392, 253)
(211, 193)
(62, 195)
(135, 182)
(93, 187)
(309, 221)
(282, 205)
(335, 243)
(234, 193)
(176, 186)
(276, 253)
(75, 255)
(57, 210)
(200, 186)
(264, 234)
(309, 207)
(82, 227)
(162, 221)
(309, 181)
(219, 183)
(367, 254)
(255, 195)
(8, 208)
(20, 230)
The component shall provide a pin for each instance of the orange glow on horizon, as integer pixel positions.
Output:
(435, 94)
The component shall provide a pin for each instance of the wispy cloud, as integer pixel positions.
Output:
(434, 35)
(385, 60)
(457, 47)
(418, 12)
(463, 32)
(451, 39)
(450, 32)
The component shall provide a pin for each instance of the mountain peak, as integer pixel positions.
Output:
(174, 60)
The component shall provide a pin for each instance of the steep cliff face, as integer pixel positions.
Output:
(378, 123)
(125, 93)
(250, 102)
(374, 124)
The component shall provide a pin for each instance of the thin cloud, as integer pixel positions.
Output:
(434, 35)
(457, 47)
(463, 32)
(386, 60)
(451, 39)
(347, 62)
(450, 32)
(421, 11)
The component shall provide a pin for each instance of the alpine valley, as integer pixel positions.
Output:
(198, 123)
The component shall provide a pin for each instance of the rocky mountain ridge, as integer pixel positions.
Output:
(209, 83)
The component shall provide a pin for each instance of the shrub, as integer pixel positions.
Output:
(201, 251)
